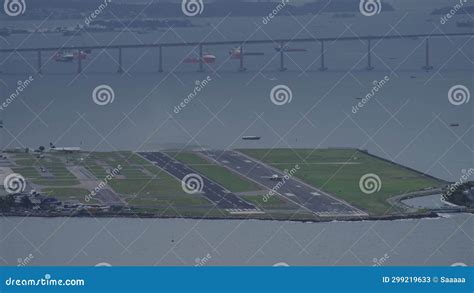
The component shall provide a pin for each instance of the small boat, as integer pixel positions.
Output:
(251, 137)
(207, 58)
(67, 56)
(63, 56)
(289, 49)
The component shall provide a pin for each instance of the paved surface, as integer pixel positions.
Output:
(311, 198)
(214, 192)
(105, 195)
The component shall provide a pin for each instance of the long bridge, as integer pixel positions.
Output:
(280, 42)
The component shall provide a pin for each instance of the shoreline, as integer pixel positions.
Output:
(427, 215)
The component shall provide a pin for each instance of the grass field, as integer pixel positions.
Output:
(221, 175)
(65, 194)
(140, 183)
(29, 166)
(324, 169)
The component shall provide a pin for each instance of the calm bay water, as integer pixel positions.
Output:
(86, 241)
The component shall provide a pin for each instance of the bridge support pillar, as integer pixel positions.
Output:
(282, 56)
(160, 59)
(79, 62)
(323, 66)
(369, 55)
(40, 63)
(242, 67)
(120, 68)
(201, 59)
(427, 66)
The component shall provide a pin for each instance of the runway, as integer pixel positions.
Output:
(214, 192)
(300, 193)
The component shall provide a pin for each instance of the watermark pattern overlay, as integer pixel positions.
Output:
(192, 7)
(370, 183)
(14, 183)
(370, 7)
(458, 6)
(459, 95)
(281, 182)
(23, 262)
(281, 95)
(21, 86)
(102, 184)
(103, 95)
(14, 7)
(97, 12)
(279, 7)
(103, 264)
(199, 85)
(456, 185)
(281, 264)
(192, 183)
(378, 262)
(377, 86)
(200, 262)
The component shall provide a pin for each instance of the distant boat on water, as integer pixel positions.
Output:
(251, 137)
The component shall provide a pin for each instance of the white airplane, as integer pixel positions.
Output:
(53, 148)
(274, 177)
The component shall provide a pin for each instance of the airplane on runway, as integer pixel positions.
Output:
(53, 148)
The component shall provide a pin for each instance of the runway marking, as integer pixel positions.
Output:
(248, 161)
(244, 211)
(290, 194)
(316, 193)
(225, 161)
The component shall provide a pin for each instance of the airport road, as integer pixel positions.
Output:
(302, 194)
(214, 192)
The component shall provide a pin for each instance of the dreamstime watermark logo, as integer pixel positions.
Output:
(103, 264)
(200, 262)
(445, 18)
(281, 95)
(21, 86)
(377, 86)
(192, 7)
(14, 7)
(370, 183)
(96, 12)
(275, 11)
(459, 95)
(23, 262)
(459, 264)
(103, 183)
(14, 183)
(281, 181)
(370, 7)
(455, 186)
(192, 183)
(199, 86)
(378, 262)
(103, 95)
